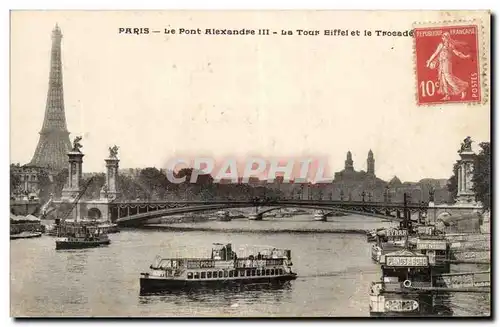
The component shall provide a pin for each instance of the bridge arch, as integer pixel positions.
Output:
(269, 210)
(94, 213)
(374, 210)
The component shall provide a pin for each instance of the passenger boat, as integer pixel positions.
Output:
(319, 216)
(254, 216)
(84, 242)
(82, 236)
(223, 216)
(224, 268)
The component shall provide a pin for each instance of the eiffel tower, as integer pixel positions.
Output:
(54, 144)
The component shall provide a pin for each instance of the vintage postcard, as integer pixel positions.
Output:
(250, 164)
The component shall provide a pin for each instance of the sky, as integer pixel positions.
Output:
(161, 96)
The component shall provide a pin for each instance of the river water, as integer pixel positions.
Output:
(334, 271)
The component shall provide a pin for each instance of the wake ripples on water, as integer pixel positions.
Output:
(105, 281)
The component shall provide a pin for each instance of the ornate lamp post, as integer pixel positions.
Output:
(342, 195)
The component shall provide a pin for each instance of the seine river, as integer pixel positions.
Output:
(334, 270)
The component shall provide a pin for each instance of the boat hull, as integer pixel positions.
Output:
(151, 285)
(25, 235)
(67, 245)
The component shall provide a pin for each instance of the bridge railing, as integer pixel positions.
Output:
(122, 210)
(282, 201)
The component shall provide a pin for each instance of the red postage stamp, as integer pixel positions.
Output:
(447, 64)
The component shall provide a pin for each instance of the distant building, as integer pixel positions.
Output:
(350, 184)
(436, 183)
(351, 175)
(395, 182)
(29, 177)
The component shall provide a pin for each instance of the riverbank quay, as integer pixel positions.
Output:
(185, 228)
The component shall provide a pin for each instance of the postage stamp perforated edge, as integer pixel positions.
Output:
(483, 57)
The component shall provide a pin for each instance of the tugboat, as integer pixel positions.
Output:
(223, 268)
(79, 234)
(85, 236)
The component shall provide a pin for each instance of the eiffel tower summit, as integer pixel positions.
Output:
(54, 144)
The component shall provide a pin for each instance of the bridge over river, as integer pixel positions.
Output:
(134, 213)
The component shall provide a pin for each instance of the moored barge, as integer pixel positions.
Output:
(411, 276)
(222, 269)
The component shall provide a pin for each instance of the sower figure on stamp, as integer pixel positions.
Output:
(449, 84)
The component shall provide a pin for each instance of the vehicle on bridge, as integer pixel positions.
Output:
(222, 269)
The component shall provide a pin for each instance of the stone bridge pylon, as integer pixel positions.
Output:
(465, 202)
(98, 209)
